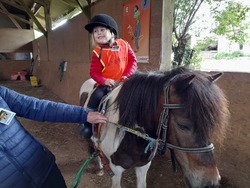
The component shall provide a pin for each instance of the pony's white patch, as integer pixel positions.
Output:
(141, 174)
(87, 87)
(197, 178)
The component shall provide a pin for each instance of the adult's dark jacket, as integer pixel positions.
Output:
(24, 161)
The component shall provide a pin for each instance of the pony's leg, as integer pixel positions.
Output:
(141, 175)
(100, 171)
(116, 179)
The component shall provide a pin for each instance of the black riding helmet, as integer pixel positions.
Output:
(102, 20)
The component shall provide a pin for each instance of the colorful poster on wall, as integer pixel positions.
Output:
(136, 26)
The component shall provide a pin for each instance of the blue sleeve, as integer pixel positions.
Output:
(42, 110)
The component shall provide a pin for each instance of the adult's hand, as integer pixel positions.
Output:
(96, 117)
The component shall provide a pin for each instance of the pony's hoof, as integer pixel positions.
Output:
(100, 172)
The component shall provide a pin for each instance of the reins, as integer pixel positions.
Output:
(153, 141)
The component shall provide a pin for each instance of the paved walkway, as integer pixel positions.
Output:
(237, 65)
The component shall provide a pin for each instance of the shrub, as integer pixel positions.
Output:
(225, 55)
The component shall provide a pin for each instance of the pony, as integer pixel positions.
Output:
(182, 110)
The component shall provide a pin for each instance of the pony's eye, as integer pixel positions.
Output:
(184, 127)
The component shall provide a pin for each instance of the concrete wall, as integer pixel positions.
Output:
(234, 156)
(7, 67)
(12, 41)
(67, 43)
(71, 43)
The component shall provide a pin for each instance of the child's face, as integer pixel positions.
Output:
(102, 35)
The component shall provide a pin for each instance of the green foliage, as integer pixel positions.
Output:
(184, 13)
(184, 16)
(195, 60)
(191, 58)
(231, 22)
(203, 45)
(233, 55)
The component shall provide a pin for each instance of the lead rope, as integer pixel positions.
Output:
(152, 142)
(102, 157)
(103, 103)
(77, 180)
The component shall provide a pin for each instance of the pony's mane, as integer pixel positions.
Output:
(204, 102)
(139, 96)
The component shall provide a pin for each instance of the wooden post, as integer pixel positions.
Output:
(47, 16)
(166, 34)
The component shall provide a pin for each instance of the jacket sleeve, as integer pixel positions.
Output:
(132, 62)
(96, 70)
(42, 110)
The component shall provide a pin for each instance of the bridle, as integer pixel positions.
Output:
(161, 142)
(163, 128)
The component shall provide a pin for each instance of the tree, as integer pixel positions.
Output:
(184, 16)
(231, 22)
(184, 12)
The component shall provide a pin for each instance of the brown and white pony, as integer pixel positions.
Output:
(182, 110)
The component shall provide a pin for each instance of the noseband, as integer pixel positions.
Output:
(163, 128)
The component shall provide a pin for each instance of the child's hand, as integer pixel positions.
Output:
(109, 82)
(123, 78)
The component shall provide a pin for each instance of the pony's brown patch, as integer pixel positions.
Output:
(83, 98)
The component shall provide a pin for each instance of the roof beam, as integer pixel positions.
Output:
(11, 17)
(86, 9)
(35, 8)
(13, 4)
(69, 3)
(47, 16)
(16, 17)
(79, 3)
(36, 12)
(42, 3)
(31, 15)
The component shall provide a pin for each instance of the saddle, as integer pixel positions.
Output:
(86, 129)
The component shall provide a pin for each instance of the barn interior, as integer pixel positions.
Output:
(32, 41)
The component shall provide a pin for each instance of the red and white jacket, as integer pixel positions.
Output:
(112, 62)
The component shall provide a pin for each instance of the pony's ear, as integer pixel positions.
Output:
(185, 83)
(215, 77)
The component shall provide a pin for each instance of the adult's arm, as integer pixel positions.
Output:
(41, 110)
